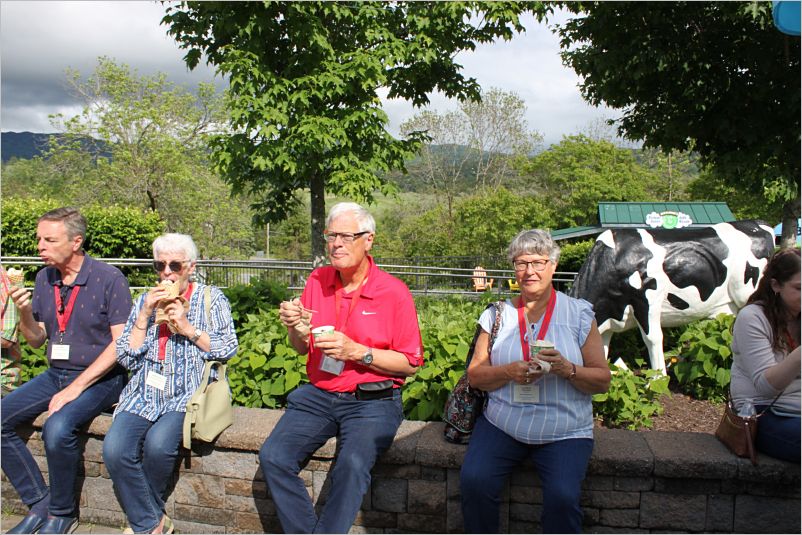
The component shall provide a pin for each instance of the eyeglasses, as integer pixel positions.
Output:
(346, 237)
(175, 265)
(537, 265)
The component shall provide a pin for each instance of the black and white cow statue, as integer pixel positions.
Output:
(655, 278)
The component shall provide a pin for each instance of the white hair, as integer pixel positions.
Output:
(533, 241)
(175, 243)
(362, 216)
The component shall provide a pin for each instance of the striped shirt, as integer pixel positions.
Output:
(183, 362)
(563, 412)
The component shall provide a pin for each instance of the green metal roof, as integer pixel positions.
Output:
(574, 232)
(634, 214)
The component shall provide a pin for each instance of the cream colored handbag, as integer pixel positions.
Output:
(209, 410)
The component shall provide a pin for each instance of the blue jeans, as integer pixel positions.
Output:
(60, 434)
(364, 429)
(140, 456)
(493, 455)
(778, 436)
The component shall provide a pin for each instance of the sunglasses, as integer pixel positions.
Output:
(175, 265)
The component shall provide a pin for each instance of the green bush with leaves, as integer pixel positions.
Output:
(573, 255)
(260, 295)
(33, 361)
(632, 398)
(702, 360)
(266, 368)
(447, 328)
(112, 232)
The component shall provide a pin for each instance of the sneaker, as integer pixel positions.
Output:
(59, 524)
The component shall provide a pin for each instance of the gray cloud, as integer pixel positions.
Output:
(40, 40)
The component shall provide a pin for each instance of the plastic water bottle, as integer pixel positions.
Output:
(747, 409)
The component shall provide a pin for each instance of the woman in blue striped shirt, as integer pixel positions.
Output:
(165, 353)
(539, 406)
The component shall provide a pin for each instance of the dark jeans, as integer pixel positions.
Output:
(60, 434)
(778, 436)
(363, 429)
(140, 456)
(493, 455)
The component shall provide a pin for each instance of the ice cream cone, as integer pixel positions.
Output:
(16, 277)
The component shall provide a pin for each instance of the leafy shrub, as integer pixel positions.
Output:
(447, 328)
(573, 255)
(266, 368)
(112, 232)
(632, 398)
(702, 360)
(32, 361)
(260, 295)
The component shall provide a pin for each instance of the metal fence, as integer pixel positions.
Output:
(421, 279)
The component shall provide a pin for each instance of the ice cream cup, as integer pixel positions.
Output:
(537, 365)
(323, 329)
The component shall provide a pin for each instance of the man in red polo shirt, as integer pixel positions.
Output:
(355, 372)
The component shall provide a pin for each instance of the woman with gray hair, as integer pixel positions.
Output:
(546, 362)
(165, 353)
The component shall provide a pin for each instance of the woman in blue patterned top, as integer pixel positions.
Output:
(538, 407)
(166, 362)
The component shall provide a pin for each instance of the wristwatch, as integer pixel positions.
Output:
(367, 358)
(197, 334)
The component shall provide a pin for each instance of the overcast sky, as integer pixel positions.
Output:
(39, 40)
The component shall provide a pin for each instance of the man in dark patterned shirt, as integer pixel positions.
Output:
(79, 305)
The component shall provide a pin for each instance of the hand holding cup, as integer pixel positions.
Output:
(536, 364)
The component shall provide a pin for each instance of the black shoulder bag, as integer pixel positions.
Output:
(465, 403)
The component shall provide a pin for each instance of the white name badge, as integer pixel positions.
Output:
(332, 365)
(156, 380)
(525, 393)
(60, 352)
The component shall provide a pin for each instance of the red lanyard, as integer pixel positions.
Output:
(63, 318)
(544, 327)
(164, 331)
(338, 293)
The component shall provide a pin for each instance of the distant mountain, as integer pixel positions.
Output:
(23, 145)
(27, 145)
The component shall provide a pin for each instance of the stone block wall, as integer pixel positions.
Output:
(637, 483)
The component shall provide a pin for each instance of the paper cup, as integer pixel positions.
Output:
(535, 363)
(323, 329)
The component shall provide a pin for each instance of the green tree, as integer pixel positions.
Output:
(112, 232)
(745, 204)
(482, 224)
(479, 142)
(717, 77)
(141, 141)
(579, 172)
(304, 79)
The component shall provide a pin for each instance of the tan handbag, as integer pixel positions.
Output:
(209, 410)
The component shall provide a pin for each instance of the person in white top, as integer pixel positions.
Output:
(765, 364)
(539, 406)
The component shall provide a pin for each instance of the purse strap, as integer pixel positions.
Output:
(731, 404)
(498, 307)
